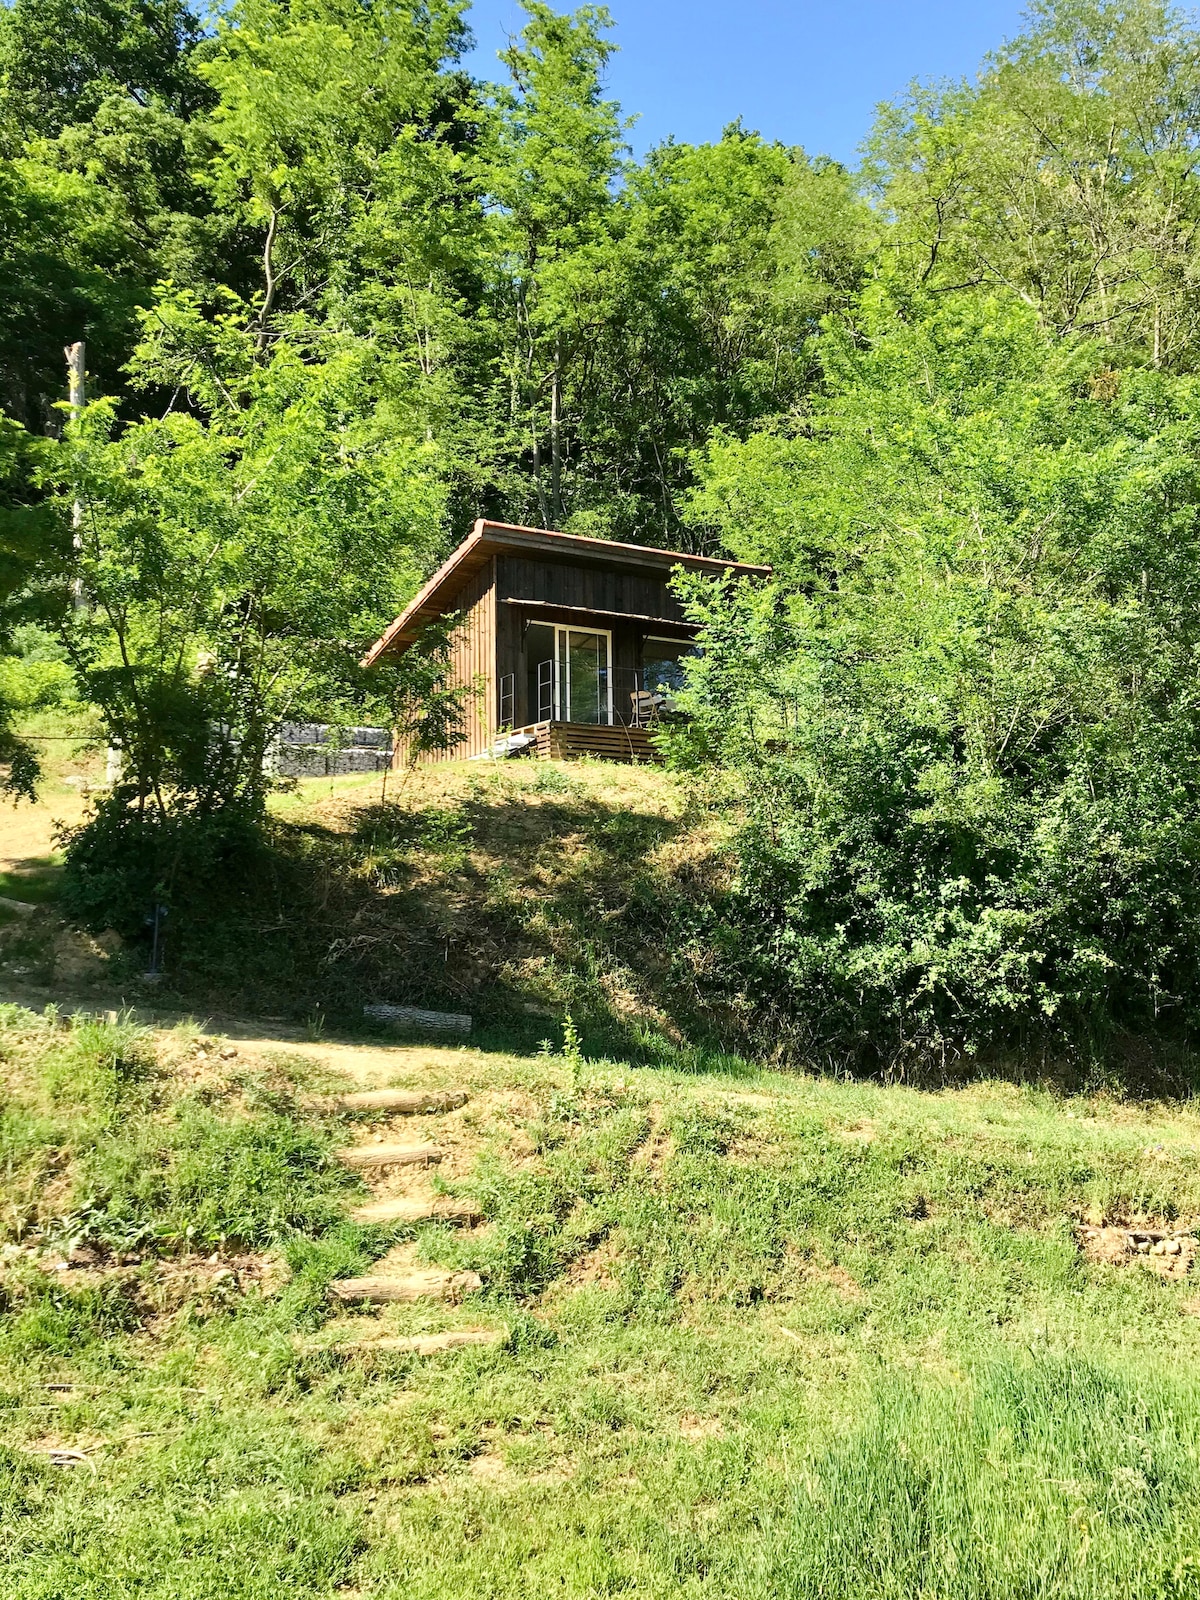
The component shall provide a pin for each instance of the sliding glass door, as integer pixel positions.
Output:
(583, 688)
(568, 674)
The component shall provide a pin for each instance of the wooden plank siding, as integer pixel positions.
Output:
(588, 586)
(472, 664)
(502, 580)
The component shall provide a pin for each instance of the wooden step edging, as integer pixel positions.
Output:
(431, 1208)
(407, 1102)
(417, 1286)
(390, 1155)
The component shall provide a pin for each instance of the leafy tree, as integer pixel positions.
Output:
(724, 258)
(314, 104)
(55, 282)
(554, 155)
(635, 307)
(965, 719)
(1066, 176)
(59, 61)
(239, 557)
(98, 176)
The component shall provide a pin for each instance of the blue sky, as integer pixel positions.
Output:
(808, 72)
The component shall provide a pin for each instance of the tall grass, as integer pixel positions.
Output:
(1058, 1477)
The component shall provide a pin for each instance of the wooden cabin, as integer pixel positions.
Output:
(574, 644)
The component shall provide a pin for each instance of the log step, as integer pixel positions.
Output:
(425, 1344)
(432, 1208)
(417, 1017)
(408, 1102)
(417, 1286)
(390, 1155)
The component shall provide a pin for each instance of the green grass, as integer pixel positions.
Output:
(512, 891)
(37, 882)
(766, 1336)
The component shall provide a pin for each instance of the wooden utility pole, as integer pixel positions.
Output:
(75, 382)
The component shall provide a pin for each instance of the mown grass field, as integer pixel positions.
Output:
(763, 1335)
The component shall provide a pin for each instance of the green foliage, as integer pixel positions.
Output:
(338, 296)
(60, 62)
(121, 865)
(32, 546)
(566, 327)
(98, 192)
(234, 561)
(964, 718)
(721, 261)
(1063, 177)
(37, 677)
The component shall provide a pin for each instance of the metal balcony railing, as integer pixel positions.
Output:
(620, 689)
(508, 700)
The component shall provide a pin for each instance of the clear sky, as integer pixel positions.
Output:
(808, 72)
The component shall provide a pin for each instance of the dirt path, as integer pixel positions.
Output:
(27, 832)
(372, 1065)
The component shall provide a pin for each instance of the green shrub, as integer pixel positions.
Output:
(122, 863)
(36, 675)
(962, 722)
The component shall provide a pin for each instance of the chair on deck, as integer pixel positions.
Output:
(644, 707)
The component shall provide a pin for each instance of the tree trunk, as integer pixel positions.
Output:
(555, 439)
(76, 374)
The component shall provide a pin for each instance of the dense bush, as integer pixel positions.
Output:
(122, 864)
(963, 719)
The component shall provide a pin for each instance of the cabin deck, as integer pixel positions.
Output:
(562, 741)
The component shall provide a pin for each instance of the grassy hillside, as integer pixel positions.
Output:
(515, 891)
(761, 1335)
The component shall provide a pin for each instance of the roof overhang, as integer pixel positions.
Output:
(488, 539)
(580, 616)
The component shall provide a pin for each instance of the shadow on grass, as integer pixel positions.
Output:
(526, 905)
(37, 880)
(519, 913)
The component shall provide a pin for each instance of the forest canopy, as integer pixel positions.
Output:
(339, 297)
